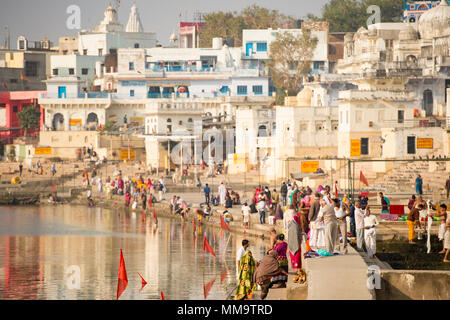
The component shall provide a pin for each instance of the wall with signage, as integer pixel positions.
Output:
(309, 166)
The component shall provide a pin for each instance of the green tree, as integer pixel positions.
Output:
(290, 60)
(350, 15)
(230, 24)
(29, 118)
(110, 125)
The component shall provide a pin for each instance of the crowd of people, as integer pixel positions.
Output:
(326, 223)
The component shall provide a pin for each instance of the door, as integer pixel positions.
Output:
(428, 102)
(411, 145)
(61, 92)
(365, 146)
(249, 49)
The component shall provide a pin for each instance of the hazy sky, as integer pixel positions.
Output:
(36, 19)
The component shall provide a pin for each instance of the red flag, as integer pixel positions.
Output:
(207, 288)
(162, 296)
(207, 247)
(4, 85)
(335, 190)
(223, 275)
(143, 282)
(123, 280)
(154, 215)
(223, 224)
(362, 178)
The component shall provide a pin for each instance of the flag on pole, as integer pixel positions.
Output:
(223, 224)
(162, 296)
(4, 85)
(207, 247)
(123, 280)
(335, 190)
(362, 178)
(143, 282)
(22, 76)
(207, 288)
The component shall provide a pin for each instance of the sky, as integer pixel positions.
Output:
(36, 19)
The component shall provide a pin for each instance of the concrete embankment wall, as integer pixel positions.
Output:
(414, 285)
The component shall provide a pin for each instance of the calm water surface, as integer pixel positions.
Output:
(38, 244)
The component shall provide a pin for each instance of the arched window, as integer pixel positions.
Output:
(180, 123)
(58, 122)
(169, 120)
(190, 120)
(262, 131)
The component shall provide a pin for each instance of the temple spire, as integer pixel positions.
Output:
(134, 21)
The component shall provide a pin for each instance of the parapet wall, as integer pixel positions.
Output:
(414, 285)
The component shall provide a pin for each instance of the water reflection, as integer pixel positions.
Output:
(38, 244)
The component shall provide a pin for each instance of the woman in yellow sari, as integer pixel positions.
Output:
(247, 268)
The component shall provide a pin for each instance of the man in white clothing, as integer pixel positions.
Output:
(245, 215)
(370, 234)
(359, 224)
(222, 193)
(240, 253)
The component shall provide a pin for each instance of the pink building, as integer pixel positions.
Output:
(11, 103)
(189, 34)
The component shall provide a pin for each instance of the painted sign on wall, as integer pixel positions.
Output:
(124, 154)
(42, 151)
(75, 122)
(424, 143)
(310, 166)
(355, 148)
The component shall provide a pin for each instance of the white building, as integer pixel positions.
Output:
(256, 46)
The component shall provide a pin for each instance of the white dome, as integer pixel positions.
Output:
(435, 23)
(408, 33)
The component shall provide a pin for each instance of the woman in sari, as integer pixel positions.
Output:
(280, 247)
(267, 269)
(294, 242)
(247, 267)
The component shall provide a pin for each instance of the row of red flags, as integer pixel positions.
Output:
(122, 282)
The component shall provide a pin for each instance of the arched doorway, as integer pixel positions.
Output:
(92, 121)
(428, 102)
(262, 131)
(58, 122)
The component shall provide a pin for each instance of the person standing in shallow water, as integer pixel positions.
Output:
(419, 182)
(246, 269)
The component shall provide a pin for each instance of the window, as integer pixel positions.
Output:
(401, 116)
(241, 90)
(131, 93)
(136, 45)
(411, 145)
(365, 146)
(169, 120)
(261, 46)
(169, 128)
(257, 90)
(55, 72)
(21, 45)
(15, 108)
(131, 66)
(190, 120)
(112, 51)
(180, 123)
(31, 68)
(224, 89)
(100, 52)
(13, 80)
(71, 71)
(318, 65)
(85, 52)
(84, 71)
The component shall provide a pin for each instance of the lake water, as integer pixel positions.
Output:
(39, 244)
